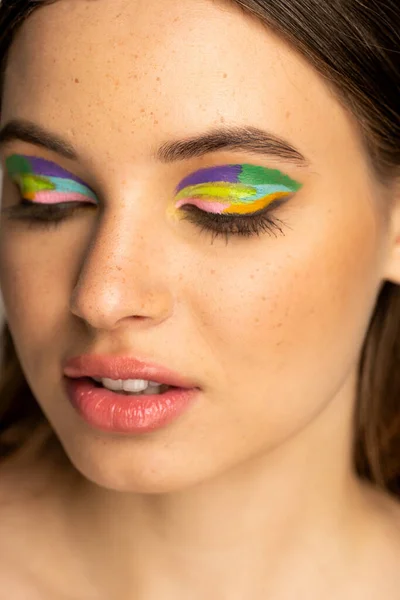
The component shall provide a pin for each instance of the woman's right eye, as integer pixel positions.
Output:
(47, 191)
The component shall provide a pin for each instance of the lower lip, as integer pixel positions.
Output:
(119, 413)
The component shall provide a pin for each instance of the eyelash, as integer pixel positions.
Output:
(228, 225)
(47, 216)
(50, 216)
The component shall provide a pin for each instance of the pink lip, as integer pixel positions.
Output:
(121, 413)
(118, 413)
(123, 367)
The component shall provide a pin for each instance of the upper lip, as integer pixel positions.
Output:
(123, 367)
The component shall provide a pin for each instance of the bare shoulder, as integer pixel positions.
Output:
(25, 488)
(16, 535)
(17, 585)
(31, 531)
(383, 559)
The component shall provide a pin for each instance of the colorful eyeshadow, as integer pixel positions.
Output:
(233, 189)
(45, 182)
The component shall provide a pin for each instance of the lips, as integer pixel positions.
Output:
(123, 367)
(115, 413)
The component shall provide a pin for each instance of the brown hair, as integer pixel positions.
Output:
(355, 46)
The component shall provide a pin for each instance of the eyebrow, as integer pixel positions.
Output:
(26, 131)
(247, 139)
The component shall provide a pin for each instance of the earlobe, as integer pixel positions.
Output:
(392, 270)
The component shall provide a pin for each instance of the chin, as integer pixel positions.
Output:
(141, 466)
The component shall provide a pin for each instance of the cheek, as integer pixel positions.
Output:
(35, 290)
(287, 315)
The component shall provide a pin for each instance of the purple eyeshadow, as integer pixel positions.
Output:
(41, 166)
(228, 173)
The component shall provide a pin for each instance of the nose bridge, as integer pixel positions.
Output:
(123, 274)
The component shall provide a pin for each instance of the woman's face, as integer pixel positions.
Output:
(269, 325)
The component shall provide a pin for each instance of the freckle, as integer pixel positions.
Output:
(225, 75)
(212, 271)
(287, 115)
(155, 122)
(263, 298)
(157, 79)
(76, 80)
(142, 110)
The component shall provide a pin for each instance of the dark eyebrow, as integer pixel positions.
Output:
(26, 131)
(247, 139)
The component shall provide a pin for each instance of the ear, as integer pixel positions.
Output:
(392, 267)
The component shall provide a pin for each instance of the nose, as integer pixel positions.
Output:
(124, 276)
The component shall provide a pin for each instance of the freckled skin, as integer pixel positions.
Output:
(271, 326)
(274, 330)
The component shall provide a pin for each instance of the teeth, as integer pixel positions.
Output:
(135, 385)
(113, 384)
(129, 385)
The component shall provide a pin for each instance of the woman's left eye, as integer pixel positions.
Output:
(234, 200)
(230, 225)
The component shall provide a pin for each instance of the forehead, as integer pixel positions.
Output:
(116, 74)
